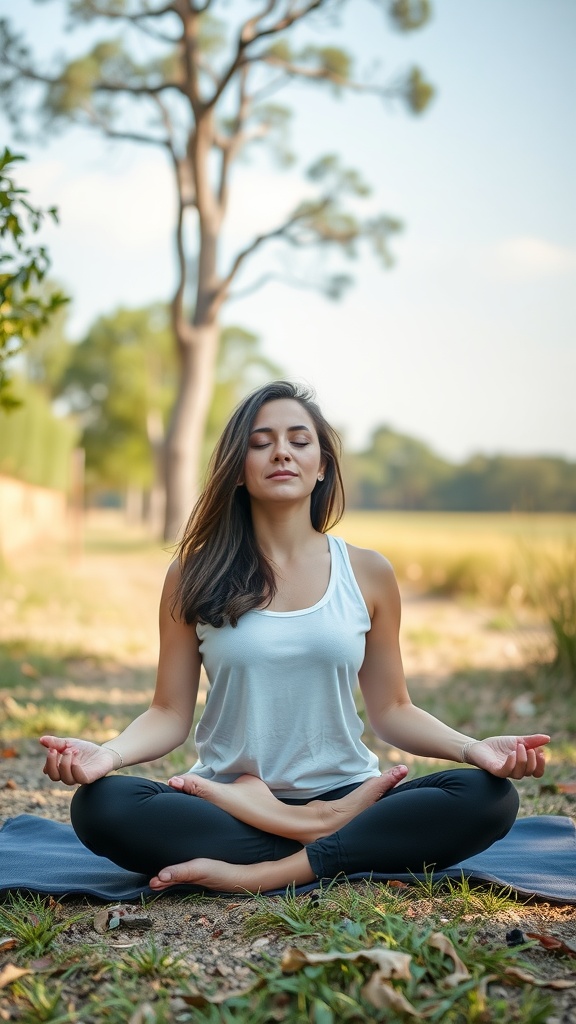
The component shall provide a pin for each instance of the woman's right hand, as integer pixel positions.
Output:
(75, 761)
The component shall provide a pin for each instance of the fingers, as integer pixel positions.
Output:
(519, 770)
(51, 768)
(61, 767)
(54, 742)
(537, 740)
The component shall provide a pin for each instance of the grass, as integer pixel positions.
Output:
(77, 651)
(334, 981)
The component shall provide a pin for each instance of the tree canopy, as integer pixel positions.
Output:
(200, 80)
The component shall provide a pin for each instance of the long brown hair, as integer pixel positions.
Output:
(223, 571)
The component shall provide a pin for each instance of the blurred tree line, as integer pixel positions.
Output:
(112, 394)
(400, 472)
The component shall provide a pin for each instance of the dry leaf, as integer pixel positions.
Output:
(391, 963)
(380, 994)
(11, 973)
(520, 975)
(395, 883)
(553, 944)
(100, 922)
(8, 943)
(439, 941)
(566, 787)
(9, 752)
(10, 784)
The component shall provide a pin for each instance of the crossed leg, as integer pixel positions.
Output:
(250, 800)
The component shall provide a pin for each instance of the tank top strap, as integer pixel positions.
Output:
(344, 571)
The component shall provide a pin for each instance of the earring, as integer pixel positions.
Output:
(320, 477)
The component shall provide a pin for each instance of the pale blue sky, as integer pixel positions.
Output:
(469, 342)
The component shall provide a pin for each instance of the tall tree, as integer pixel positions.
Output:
(119, 381)
(205, 98)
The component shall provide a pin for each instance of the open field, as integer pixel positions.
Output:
(488, 555)
(78, 643)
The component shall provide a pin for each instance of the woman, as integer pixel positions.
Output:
(286, 620)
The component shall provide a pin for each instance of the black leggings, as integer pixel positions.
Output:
(434, 821)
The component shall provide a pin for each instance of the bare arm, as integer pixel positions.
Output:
(390, 710)
(161, 728)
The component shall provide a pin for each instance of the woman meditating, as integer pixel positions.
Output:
(287, 620)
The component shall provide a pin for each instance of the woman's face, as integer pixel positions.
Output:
(283, 462)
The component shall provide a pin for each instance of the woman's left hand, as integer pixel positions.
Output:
(510, 757)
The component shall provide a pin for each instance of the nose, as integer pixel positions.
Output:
(281, 451)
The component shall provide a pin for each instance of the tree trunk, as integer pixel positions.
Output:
(183, 447)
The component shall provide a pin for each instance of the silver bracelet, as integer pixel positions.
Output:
(465, 749)
(112, 751)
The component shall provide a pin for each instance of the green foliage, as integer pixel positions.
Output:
(119, 382)
(35, 445)
(408, 15)
(23, 265)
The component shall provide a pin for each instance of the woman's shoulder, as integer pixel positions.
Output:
(374, 573)
(369, 561)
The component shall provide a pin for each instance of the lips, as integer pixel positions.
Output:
(281, 474)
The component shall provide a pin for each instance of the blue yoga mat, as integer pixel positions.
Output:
(536, 859)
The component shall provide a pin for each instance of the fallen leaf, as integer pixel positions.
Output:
(380, 994)
(8, 943)
(553, 944)
(520, 975)
(11, 973)
(9, 752)
(440, 941)
(10, 784)
(391, 963)
(100, 922)
(395, 883)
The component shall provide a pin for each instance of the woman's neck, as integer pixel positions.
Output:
(283, 533)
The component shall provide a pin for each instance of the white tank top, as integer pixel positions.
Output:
(281, 699)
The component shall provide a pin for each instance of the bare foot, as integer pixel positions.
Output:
(218, 874)
(250, 800)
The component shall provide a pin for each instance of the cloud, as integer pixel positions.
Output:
(529, 257)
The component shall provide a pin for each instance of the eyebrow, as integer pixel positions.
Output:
(269, 430)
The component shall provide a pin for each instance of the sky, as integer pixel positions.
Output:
(469, 341)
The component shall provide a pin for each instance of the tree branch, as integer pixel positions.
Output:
(248, 35)
(279, 232)
(98, 12)
(112, 133)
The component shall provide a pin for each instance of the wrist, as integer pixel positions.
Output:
(465, 751)
(117, 759)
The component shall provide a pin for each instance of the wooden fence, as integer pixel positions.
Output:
(29, 514)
